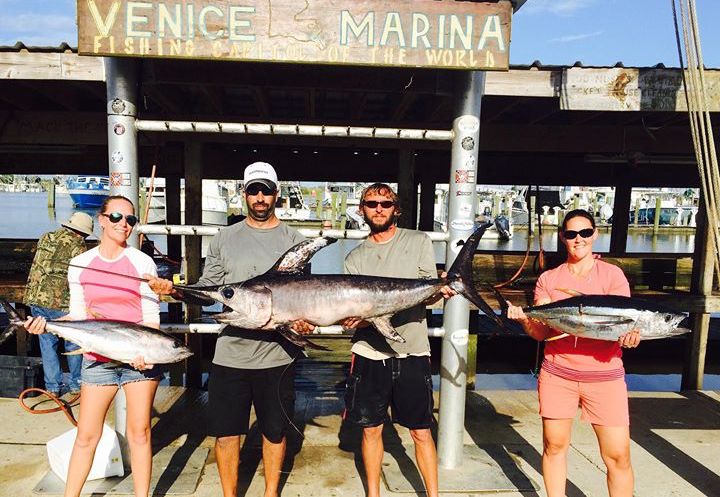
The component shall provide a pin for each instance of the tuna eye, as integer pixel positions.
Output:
(668, 318)
(227, 292)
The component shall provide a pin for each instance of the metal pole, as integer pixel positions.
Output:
(121, 75)
(121, 78)
(453, 365)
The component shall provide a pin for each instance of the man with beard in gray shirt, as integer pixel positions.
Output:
(250, 367)
(384, 373)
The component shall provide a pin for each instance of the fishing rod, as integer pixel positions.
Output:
(136, 278)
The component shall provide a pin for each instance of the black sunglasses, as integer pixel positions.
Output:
(256, 188)
(372, 204)
(115, 217)
(585, 233)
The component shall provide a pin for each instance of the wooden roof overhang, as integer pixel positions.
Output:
(536, 121)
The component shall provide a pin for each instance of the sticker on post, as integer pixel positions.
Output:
(459, 337)
(120, 179)
(462, 224)
(461, 193)
(464, 176)
(469, 124)
(467, 143)
(117, 157)
(465, 209)
(119, 129)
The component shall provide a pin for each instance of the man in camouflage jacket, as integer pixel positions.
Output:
(48, 295)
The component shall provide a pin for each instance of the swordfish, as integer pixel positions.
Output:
(284, 294)
(117, 340)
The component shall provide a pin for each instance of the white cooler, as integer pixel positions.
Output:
(107, 461)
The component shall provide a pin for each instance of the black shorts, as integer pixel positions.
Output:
(404, 384)
(232, 391)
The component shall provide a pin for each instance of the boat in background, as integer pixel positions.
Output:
(88, 192)
(214, 202)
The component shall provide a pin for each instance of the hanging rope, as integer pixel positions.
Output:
(517, 274)
(701, 129)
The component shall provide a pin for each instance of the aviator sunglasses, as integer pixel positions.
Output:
(256, 188)
(372, 204)
(585, 233)
(115, 218)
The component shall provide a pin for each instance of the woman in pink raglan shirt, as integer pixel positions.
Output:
(582, 371)
(96, 295)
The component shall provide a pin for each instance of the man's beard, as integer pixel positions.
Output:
(260, 215)
(380, 227)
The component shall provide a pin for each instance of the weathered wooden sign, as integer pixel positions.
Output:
(630, 89)
(416, 33)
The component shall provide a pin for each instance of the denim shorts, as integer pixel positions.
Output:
(110, 373)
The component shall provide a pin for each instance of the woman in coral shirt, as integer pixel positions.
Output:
(581, 371)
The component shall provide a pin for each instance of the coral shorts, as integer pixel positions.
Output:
(603, 403)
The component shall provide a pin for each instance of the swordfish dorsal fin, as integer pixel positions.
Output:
(294, 260)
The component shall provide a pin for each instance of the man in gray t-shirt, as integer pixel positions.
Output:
(385, 373)
(250, 367)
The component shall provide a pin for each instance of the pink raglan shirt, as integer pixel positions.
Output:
(100, 296)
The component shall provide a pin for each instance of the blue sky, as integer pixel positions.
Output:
(596, 32)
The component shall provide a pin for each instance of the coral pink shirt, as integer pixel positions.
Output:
(102, 296)
(583, 354)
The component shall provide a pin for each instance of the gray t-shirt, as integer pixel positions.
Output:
(238, 253)
(409, 254)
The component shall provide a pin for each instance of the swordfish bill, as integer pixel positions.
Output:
(284, 294)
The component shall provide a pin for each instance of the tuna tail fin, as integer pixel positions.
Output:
(460, 274)
(15, 321)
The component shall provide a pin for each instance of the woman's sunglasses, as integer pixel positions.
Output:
(256, 188)
(571, 234)
(372, 204)
(115, 217)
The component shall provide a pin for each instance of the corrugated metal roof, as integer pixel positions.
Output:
(65, 47)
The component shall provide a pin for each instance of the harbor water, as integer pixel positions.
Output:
(26, 216)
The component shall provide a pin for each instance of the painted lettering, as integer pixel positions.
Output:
(457, 32)
(492, 31)
(133, 19)
(104, 25)
(166, 21)
(393, 24)
(175, 47)
(129, 46)
(347, 22)
(144, 46)
(202, 22)
(237, 24)
(420, 32)
(217, 49)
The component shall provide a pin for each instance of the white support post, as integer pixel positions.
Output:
(453, 361)
(121, 77)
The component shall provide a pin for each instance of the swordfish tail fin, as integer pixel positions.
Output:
(15, 320)
(460, 274)
(503, 305)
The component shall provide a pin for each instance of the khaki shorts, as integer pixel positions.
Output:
(603, 403)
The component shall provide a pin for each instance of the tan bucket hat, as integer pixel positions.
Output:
(81, 222)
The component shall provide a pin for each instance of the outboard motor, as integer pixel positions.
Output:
(502, 225)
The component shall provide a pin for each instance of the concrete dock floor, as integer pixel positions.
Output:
(675, 440)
